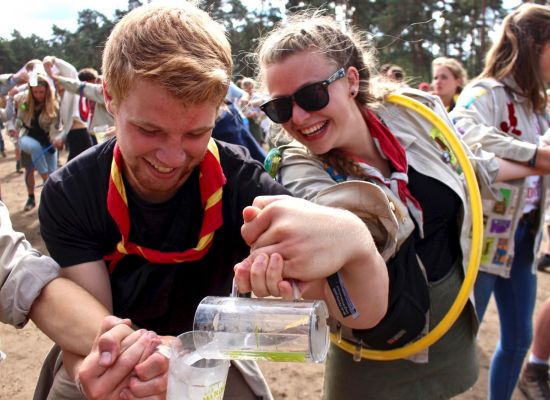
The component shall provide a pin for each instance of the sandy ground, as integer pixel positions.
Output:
(27, 347)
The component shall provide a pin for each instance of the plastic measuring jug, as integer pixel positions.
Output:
(262, 329)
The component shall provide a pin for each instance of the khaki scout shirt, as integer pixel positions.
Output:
(492, 114)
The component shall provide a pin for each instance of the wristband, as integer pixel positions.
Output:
(343, 301)
(531, 163)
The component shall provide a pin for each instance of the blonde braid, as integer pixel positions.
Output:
(342, 164)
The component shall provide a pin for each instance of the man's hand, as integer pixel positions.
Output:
(108, 372)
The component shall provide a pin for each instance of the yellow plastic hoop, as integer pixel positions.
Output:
(475, 253)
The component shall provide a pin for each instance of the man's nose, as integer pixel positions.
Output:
(172, 154)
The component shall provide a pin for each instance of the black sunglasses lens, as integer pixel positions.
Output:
(278, 110)
(312, 97)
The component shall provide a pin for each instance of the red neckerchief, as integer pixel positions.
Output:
(394, 152)
(211, 181)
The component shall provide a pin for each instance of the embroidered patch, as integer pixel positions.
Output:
(500, 226)
(478, 92)
(447, 154)
(510, 126)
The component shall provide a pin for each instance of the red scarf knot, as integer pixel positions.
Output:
(394, 152)
(211, 181)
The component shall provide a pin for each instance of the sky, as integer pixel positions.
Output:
(38, 16)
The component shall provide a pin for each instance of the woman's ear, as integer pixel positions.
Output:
(353, 80)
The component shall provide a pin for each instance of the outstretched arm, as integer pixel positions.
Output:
(107, 355)
(68, 315)
(294, 239)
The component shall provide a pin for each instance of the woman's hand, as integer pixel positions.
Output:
(294, 239)
(314, 241)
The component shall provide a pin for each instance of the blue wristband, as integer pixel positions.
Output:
(343, 301)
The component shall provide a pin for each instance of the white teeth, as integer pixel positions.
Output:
(160, 169)
(163, 169)
(313, 129)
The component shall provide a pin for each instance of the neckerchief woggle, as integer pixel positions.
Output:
(391, 149)
(211, 181)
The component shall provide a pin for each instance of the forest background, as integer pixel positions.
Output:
(409, 33)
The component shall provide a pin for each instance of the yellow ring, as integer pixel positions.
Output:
(475, 253)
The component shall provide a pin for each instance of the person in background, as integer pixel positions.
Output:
(534, 381)
(449, 77)
(91, 102)
(37, 115)
(544, 261)
(504, 111)
(424, 86)
(74, 132)
(395, 73)
(236, 95)
(252, 111)
(7, 82)
(3, 120)
(230, 128)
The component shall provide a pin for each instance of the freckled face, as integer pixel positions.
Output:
(161, 140)
(331, 127)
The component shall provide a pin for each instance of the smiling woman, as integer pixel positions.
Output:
(357, 150)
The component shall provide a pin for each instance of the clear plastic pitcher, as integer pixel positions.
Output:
(262, 329)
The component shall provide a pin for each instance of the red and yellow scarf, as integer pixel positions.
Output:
(211, 181)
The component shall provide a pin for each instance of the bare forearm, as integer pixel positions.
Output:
(68, 315)
(510, 170)
(364, 276)
(367, 286)
(542, 161)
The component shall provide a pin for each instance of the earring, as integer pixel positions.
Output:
(352, 93)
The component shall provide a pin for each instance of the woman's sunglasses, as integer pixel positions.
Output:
(312, 97)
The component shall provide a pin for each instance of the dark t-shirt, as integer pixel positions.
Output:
(36, 132)
(77, 228)
(440, 247)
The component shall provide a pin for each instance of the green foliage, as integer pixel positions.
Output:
(409, 33)
(243, 27)
(81, 48)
